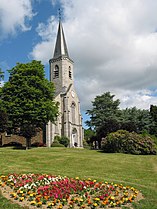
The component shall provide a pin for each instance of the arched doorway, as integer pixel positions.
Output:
(74, 137)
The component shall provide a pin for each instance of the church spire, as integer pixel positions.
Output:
(61, 47)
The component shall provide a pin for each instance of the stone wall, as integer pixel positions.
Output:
(6, 139)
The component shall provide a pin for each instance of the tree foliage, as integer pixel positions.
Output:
(105, 110)
(3, 118)
(28, 99)
(106, 117)
(1, 74)
(137, 120)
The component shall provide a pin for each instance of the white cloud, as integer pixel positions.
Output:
(44, 49)
(14, 15)
(114, 46)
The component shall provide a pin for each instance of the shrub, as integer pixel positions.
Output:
(56, 143)
(132, 143)
(38, 144)
(64, 140)
(86, 145)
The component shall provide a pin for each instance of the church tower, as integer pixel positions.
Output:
(69, 122)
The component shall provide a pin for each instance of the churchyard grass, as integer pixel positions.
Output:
(133, 170)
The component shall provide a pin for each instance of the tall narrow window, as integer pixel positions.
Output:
(73, 112)
(70, 75)
(56, 71)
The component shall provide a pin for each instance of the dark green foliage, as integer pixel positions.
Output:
(64, 140)
(28, 99)
(86, 145)
(104, 115)
(153, 112)
(104, 109)
(131, 143)
(1, 74)
(3, 118)
(89, 135)
(56, 142)
(137, 120)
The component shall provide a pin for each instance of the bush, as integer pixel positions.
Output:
(56, 143)
(86, 145)
(38, 144)
(131, 143)
(64, 140)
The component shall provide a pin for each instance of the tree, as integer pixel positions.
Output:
(3, 120)
(1, 77)
(105, 112)
(137, 120)
(153, 113)
(1, 74)
(28, 98)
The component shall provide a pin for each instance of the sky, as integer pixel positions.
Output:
(113, 44)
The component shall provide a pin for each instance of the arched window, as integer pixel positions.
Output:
(70, 74)
(56, 71)
(73, 107)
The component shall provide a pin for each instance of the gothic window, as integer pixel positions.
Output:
(73, 107)
(56, 71)
(70, 75)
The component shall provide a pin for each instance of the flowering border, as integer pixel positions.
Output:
(48, 191)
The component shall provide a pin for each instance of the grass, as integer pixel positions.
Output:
(133, 170)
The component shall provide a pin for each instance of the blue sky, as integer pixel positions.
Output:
(16, 47)
(113, 44)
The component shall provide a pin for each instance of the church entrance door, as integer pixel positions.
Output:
(74, 138)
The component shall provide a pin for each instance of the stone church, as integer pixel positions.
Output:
(69, 122)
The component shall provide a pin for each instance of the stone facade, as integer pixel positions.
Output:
(69, 122)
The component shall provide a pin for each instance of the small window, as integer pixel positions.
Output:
(56, 71)
(70, 74)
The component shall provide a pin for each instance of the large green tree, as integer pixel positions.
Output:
(28, 98)
(1, 75)
(153, 112)
(104, 115)
(137, 120)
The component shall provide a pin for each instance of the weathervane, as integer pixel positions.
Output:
(59, 14)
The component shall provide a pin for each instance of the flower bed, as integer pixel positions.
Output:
(47, 191)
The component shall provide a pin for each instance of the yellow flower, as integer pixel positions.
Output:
(97, 199)
(21, 192)
(81, 200)
(95, 204)
(13, 194)
(60, 206)
(94, 180)
(22, 198)
(39, 203)
(77, 178)
(31, 195)
(33, 202)
(50, 204)
(112, 198)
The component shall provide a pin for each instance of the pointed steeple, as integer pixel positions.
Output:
(61, 47)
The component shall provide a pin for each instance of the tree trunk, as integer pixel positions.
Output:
(0, 139)
(28, 143)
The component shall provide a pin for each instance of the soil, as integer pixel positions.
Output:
(5, 191)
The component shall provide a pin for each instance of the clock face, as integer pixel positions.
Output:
(72, 94)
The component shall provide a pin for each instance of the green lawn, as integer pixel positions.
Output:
(133, 170)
